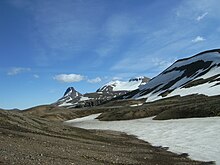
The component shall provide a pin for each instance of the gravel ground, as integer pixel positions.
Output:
(26, 139)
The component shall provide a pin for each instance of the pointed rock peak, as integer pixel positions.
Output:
(71, 92)
(68, 91)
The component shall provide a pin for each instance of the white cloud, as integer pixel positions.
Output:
(17, 70)
(199, 18)
(68, 78)
(36, 76)
(198, 39)
(95, 80)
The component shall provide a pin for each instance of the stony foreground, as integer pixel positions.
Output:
(26, 139)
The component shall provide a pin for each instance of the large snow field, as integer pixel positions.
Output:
(199, 137)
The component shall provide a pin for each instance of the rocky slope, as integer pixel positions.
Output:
(176, 107)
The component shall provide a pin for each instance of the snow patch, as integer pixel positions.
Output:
(84, 98)
(199, 137)
(136, 105)
(207, 89)
(130, 85)
(65, 104)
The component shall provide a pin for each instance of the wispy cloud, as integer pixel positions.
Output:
(106, 49)
(69, 78)
(161, 63)
(155, 53)
(75, 29)
(160, 46)
(198, 39)
(199, 18)
(147, 65)
(120, 25)
(95, 80)
(62, 28)
(36, 76)
(17, 70)
(197, 10)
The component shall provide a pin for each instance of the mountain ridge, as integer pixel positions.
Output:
(113, 89)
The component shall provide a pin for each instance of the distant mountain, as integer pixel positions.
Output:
(73, 98)
(130, 85)
(70, 95)
(14, 109)
(199, 74)
(71, 92)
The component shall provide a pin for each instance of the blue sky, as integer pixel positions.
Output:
(47, 46)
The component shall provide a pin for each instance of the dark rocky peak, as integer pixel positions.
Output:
(72, 92)
(141, 78)
(136, 79)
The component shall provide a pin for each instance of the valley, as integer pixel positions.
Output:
(140, 121)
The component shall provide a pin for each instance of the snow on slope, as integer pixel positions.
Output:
(199, 137)
(199, 74)
(130, 85)
(123, 86)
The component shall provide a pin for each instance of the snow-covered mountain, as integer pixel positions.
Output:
(132, 84)
(113, 89)
(199, 74)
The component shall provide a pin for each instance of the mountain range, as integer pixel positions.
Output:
(189, 88)
(113, 89)
(199, 74)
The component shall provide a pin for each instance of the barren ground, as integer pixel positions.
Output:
(27, 139)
